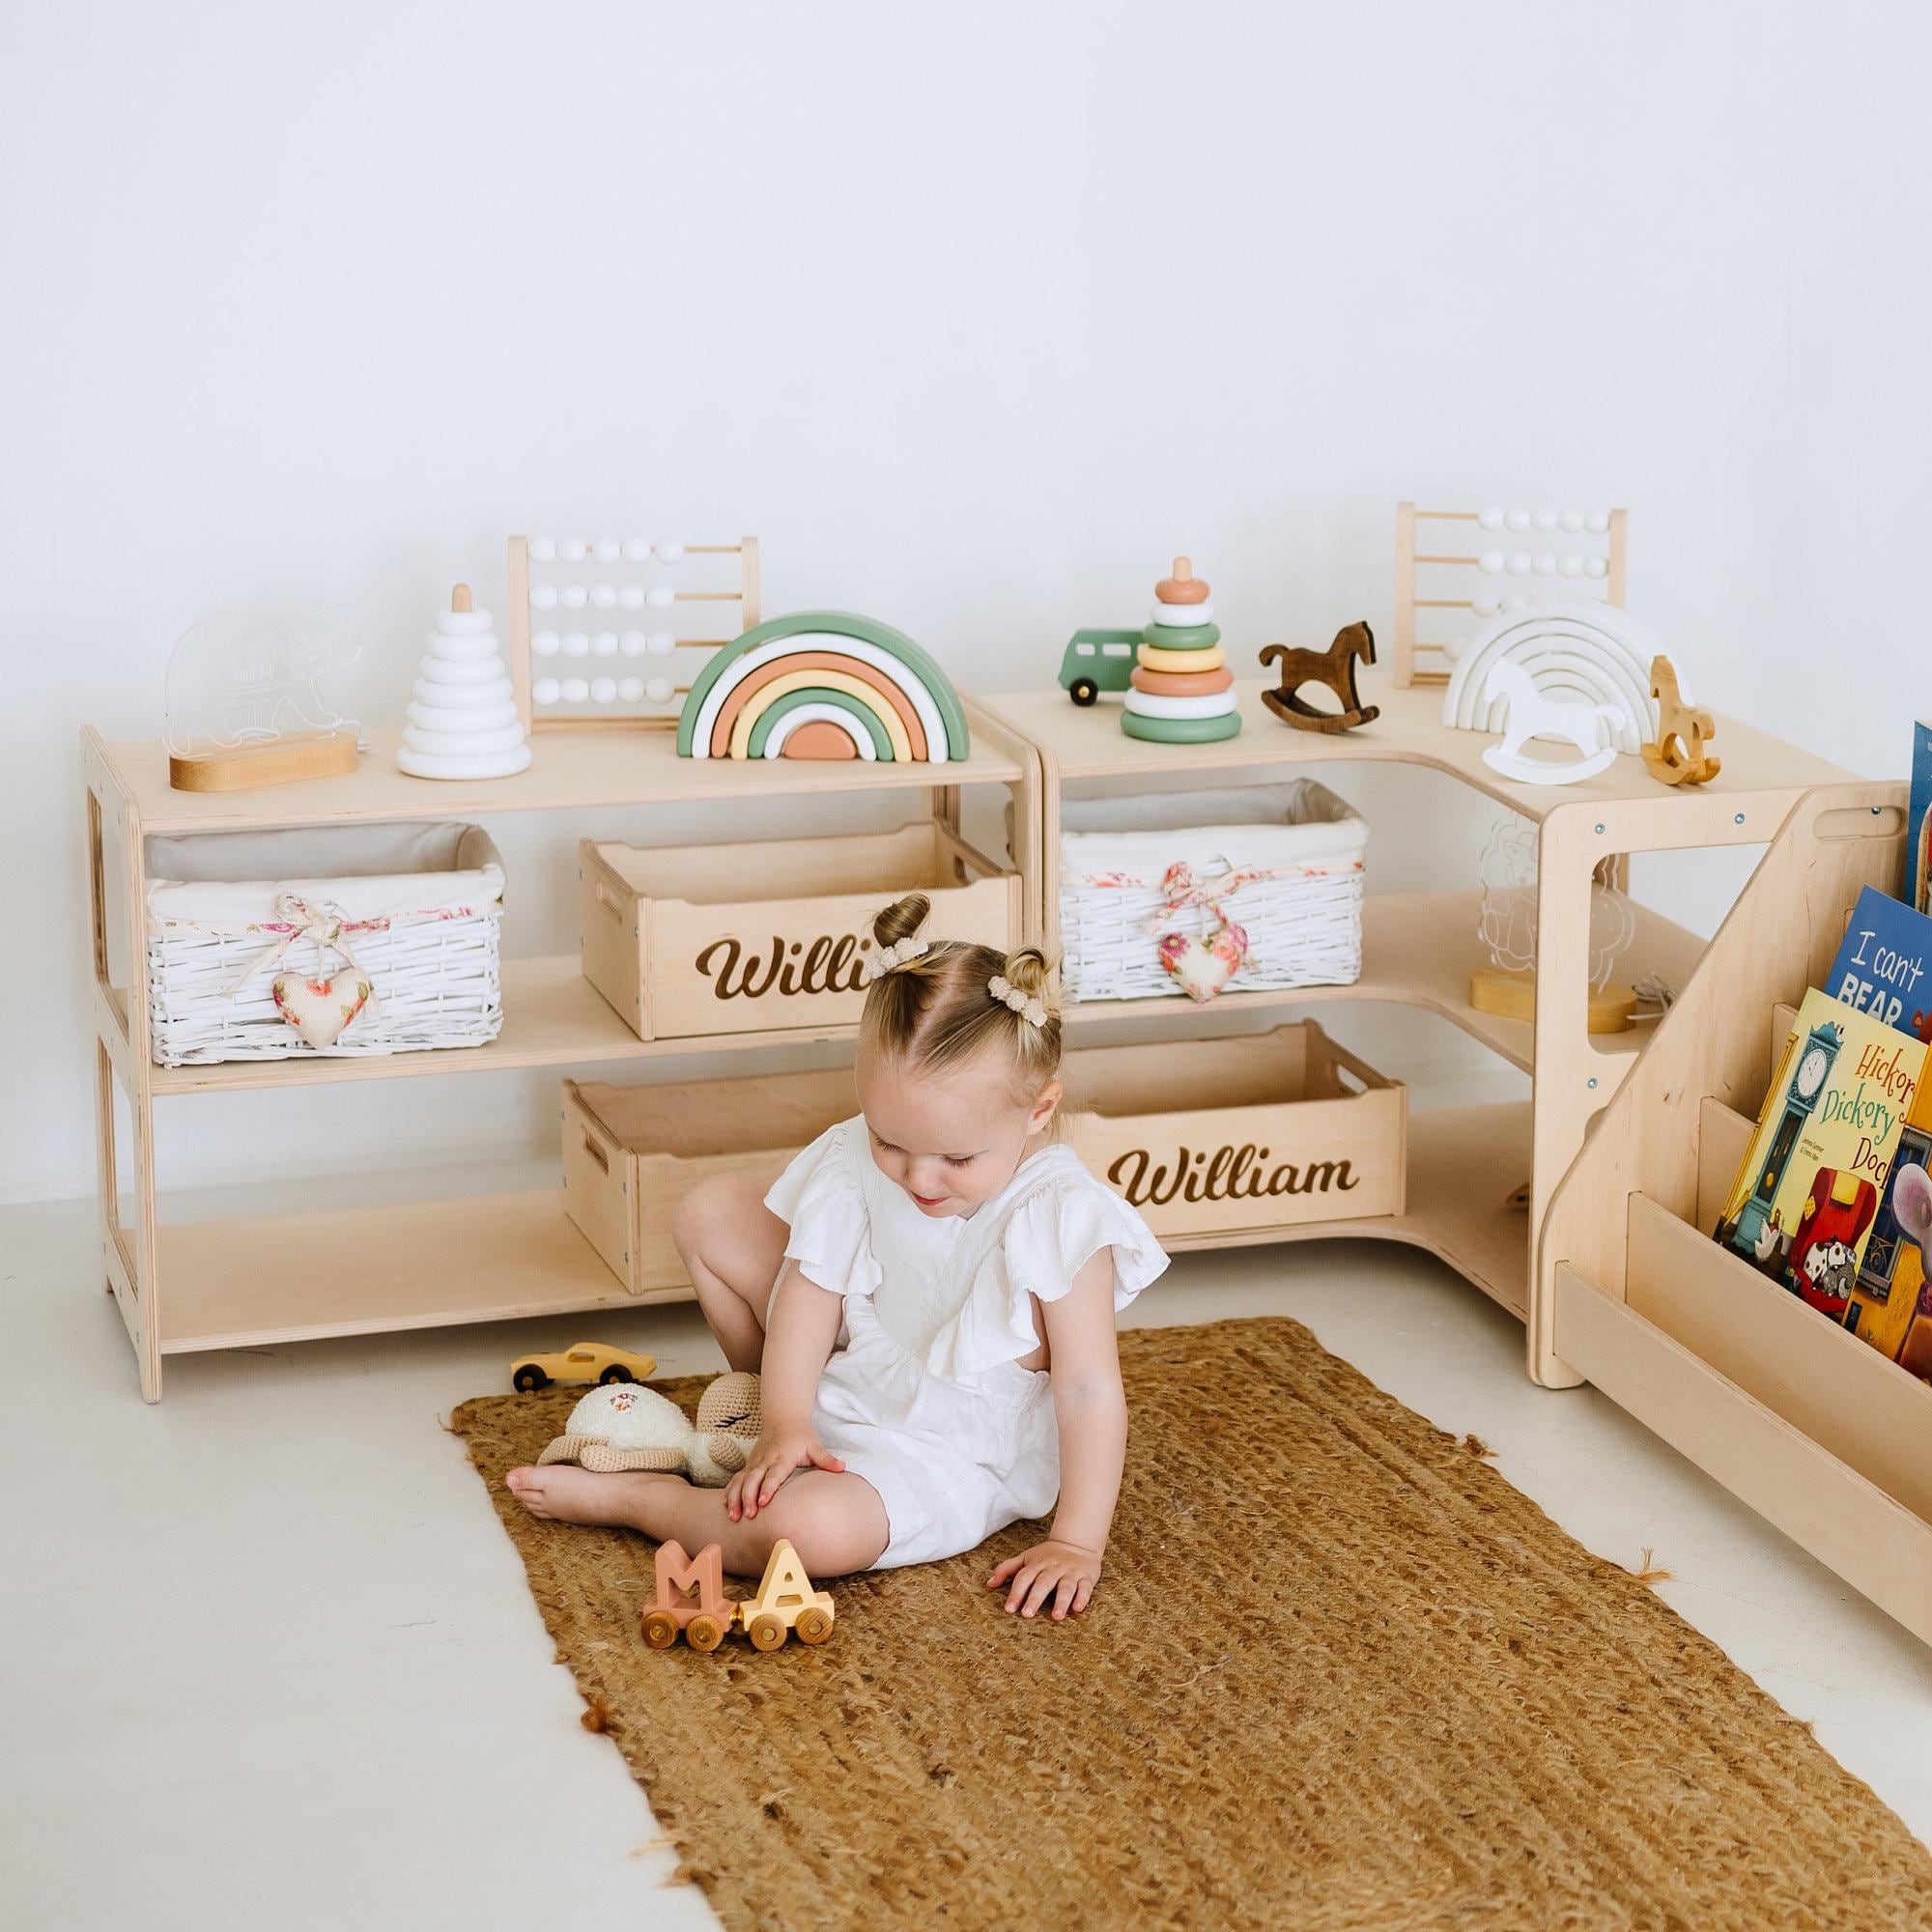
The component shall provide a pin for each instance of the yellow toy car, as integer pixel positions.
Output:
(580, 1362)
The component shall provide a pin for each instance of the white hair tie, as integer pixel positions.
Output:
(1009, 995)
(883, 961)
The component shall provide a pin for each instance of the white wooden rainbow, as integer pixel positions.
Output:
(1588, 652)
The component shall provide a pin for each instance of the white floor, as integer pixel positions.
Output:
(266, 1658)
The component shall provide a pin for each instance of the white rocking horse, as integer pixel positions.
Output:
(1532, 715)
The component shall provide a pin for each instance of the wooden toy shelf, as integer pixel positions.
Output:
(1418, 948)
(1625, 1143)
(1631, 1140)
(343, 1271)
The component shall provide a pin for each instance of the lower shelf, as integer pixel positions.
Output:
(496, 1258)
(364, 1270)
(1463, 1164)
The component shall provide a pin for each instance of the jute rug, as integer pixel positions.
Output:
(1338, 1675)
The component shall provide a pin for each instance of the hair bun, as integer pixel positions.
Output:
(1029, 972)
(901, 919)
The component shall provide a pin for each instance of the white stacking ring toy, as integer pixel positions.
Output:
(463, 722)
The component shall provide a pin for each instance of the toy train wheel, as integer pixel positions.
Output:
(616, 1373)
(814, 1626)
(765, 1630)
(528, 1378)
(660, 1629)
(1083, 691)
(705, 1632)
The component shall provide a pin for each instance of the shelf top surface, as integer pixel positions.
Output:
(1090, 744)
(570, 769)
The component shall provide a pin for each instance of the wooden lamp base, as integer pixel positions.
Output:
(319, 754)
(1513, 996)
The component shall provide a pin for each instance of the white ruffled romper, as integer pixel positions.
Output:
(926, 1397)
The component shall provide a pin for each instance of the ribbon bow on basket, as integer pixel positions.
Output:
(1201, 967)
(320, 1007)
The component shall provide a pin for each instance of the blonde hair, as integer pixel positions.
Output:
(939, 1007)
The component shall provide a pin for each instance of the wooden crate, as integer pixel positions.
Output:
(769, 936)
(1240, 1135)
(621, 1185)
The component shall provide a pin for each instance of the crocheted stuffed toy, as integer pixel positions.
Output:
(626, 1426)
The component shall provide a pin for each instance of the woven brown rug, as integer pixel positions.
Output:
(1338, 1675)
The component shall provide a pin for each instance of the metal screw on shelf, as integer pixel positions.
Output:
(1592, 1080)
(1600, 827)
(1739, 819)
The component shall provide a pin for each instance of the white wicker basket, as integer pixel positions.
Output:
(1282, 862)
(417, 907)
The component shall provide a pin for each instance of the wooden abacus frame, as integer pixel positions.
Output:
(746, 596)
(1407, 603)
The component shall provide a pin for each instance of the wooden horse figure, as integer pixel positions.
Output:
(1677, 756)
(1533, 715)
(1333, 668)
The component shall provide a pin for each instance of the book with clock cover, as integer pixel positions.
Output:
(1807, 1191)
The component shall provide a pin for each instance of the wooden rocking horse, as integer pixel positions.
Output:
(1676, 755)
(1335, 670)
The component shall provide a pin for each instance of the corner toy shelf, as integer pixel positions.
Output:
(345, 1272)
(1418, 948)
(1626, 1144)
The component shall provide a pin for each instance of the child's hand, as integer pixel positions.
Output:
(774, 1457)
(1064, 1572)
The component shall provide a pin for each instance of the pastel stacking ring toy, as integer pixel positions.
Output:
(1182, 692)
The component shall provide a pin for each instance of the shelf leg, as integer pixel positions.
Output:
(1573, 1082)
(121, 1053)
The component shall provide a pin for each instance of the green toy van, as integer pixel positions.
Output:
(1097, 661)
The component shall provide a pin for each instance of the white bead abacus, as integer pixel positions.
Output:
(1494, 517)
(601, 594)
(605, 550)
(1549, 563)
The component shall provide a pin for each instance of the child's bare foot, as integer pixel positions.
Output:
(569, 1494)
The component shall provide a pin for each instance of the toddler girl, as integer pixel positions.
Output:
(928, 1293)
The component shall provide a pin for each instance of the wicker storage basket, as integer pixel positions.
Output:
(416, 906)
(1282, 862)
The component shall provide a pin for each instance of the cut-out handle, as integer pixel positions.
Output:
(596, 1153)
(1859, 821)
(608, 899)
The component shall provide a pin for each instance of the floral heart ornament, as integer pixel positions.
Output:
(1202, 967)
(321, 1009)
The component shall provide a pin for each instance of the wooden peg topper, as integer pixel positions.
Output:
(1335, 670)
(1677, 756)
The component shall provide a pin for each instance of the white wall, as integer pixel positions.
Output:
(976, 314)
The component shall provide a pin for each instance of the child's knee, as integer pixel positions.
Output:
(719, 1200)
(820, 1526)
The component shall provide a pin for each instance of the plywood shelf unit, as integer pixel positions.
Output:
(1418, 948)
(352, 1272)
(1559, 1259)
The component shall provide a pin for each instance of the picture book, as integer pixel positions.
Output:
(1884, 966)
(1806, 1195)
(1917, 893)
(1891, 1307)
